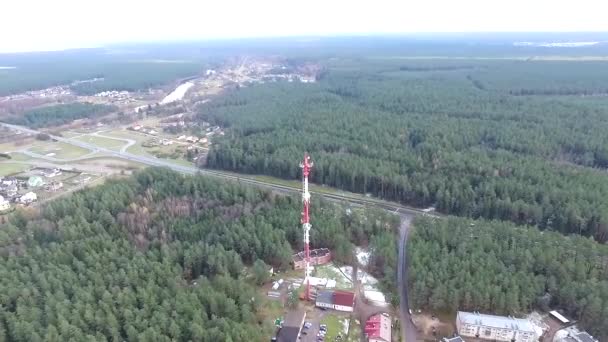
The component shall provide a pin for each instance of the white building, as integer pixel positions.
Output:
(28, 198)
(496, 328)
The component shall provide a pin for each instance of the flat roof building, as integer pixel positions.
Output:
(559, 317)
(336, 300)
(344, 300)
(584, 337)
(378, 328)
(325, 299)
(292, 325)
(452, 339)
(491, 327)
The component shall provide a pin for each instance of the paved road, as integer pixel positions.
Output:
(152, 161)
(408, 330)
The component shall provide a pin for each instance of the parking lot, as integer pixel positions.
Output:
(315, 319)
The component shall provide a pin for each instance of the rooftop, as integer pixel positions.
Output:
(453, 339)
(344, 298)
(500, 322)
(313, 254)
(379, 327)
(585, 337)
(294, 318)
(325, 297)
(288, 334)
(559, 316)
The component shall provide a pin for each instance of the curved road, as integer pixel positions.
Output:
(129, 142)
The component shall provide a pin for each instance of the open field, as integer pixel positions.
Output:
(61, 150)
(10, 146)
(71, 134)
(141, 138)
(125, 134)
(18, 156)
(110, 144)
(354, 331)
(335, 326)
(7, 168)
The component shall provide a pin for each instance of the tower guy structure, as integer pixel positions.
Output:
(306, 166)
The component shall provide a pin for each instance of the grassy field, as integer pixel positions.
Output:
(7, 168)
(354, 332)
(270, 310)
(17, 156)
(8, 147)
(70, 134)
(147, 151)
(111, 144)
(335, 326)
(60, 149)
(138, 137)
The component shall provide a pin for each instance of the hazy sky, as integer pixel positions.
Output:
(56, 24)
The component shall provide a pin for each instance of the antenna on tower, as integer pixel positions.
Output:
(306, 166)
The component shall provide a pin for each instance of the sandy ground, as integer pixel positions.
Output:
(425, 324)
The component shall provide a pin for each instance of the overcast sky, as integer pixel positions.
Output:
(27, 25)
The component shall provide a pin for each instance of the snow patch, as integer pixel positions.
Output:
(345, 325)
(178, 93)
(362, 256)
(366, 279)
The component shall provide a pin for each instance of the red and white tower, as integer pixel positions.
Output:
(306, 165)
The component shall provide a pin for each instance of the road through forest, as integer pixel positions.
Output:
(406, 214)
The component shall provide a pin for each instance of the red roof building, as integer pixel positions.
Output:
(319, 256)
(337, 300)
(344, 300)
(378, 328)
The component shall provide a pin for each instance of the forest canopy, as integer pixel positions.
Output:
(60, 114)
(492, 266)
(158, 256)
(459, 135)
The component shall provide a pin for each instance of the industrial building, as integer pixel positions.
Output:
(318, 256)
(336, 300)
(378, 328)
(496, 328)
